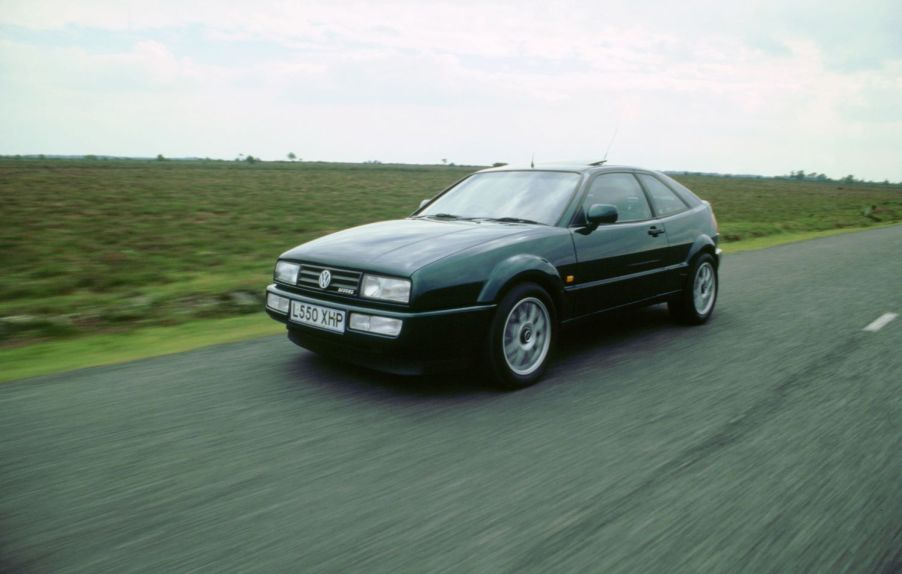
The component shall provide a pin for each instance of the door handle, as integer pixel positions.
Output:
(654, 231)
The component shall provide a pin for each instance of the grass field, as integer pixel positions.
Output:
(105, 247)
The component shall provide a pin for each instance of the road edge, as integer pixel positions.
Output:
(62, 356)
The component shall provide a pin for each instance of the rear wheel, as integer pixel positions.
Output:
(695, 304)
(521, 337)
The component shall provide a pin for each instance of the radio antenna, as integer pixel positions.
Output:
(610, 143)
(532, 161)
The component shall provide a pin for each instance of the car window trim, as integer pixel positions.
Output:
(651, 203)
(585, 191)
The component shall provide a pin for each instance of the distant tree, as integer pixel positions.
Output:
(444, 161)
(798, 174)
(499, 164)
(160, 157)
(848, 179)
(291, 156)
(821, 177)
(251, 159)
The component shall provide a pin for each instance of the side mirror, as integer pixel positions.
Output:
(599, 213)
(424, 203)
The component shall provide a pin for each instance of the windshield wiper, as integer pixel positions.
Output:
(451, 216)
(512, 220)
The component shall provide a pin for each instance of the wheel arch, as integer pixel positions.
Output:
(702, 244)
(523, 269)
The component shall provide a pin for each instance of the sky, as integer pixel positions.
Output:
(763, 87)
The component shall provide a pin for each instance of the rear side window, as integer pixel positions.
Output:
(690, 198)
(623, 192)
(664, 200)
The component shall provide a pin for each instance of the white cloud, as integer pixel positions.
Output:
(758, 87)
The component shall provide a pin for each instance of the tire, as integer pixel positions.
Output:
(521, 337)
(695, 304)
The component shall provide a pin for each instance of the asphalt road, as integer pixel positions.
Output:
(768, 440)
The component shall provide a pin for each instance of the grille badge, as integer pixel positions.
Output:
(325, 278)
(341, 281)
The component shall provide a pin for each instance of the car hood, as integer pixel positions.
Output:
(399, 247)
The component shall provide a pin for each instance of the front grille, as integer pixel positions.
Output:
(341, 281)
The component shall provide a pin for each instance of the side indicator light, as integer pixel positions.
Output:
(568, 279)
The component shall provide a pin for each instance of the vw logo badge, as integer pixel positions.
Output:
(325, 278)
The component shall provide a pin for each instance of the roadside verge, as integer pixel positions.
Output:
(111, 348)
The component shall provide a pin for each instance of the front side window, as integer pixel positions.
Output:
(534, 196)
(663, 198)
(623, 192)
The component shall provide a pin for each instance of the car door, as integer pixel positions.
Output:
(618, 263)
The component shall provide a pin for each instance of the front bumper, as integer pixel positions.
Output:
(429, 341)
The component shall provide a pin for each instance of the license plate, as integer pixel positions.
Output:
(316, 316)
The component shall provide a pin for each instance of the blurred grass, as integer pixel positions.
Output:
(109, 246)
(45, 358)
(748, 208)
(766, 241)
(91, 247)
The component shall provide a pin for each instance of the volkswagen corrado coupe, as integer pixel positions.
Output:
(488, 271)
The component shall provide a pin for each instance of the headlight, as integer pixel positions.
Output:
(376, 287)
(287, 272)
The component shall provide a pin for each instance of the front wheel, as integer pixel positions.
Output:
(695, 304)
(521, 337)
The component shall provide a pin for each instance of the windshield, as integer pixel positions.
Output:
(516, 196)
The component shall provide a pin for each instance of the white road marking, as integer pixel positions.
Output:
(880, 322)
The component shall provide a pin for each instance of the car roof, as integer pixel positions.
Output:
(586, 168)
(575, 167)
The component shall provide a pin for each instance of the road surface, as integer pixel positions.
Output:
(768, 440)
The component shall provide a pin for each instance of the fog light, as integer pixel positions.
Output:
(375, 324)
(277, 303)
(360, 322)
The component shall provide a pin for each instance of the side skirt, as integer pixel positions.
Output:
(662, 298)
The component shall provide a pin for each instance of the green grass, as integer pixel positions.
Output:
(110, 246)
(790, 237)
(51, 357)
(92, 248)
(752, 208)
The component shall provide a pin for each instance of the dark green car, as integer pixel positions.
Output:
(490, 269)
